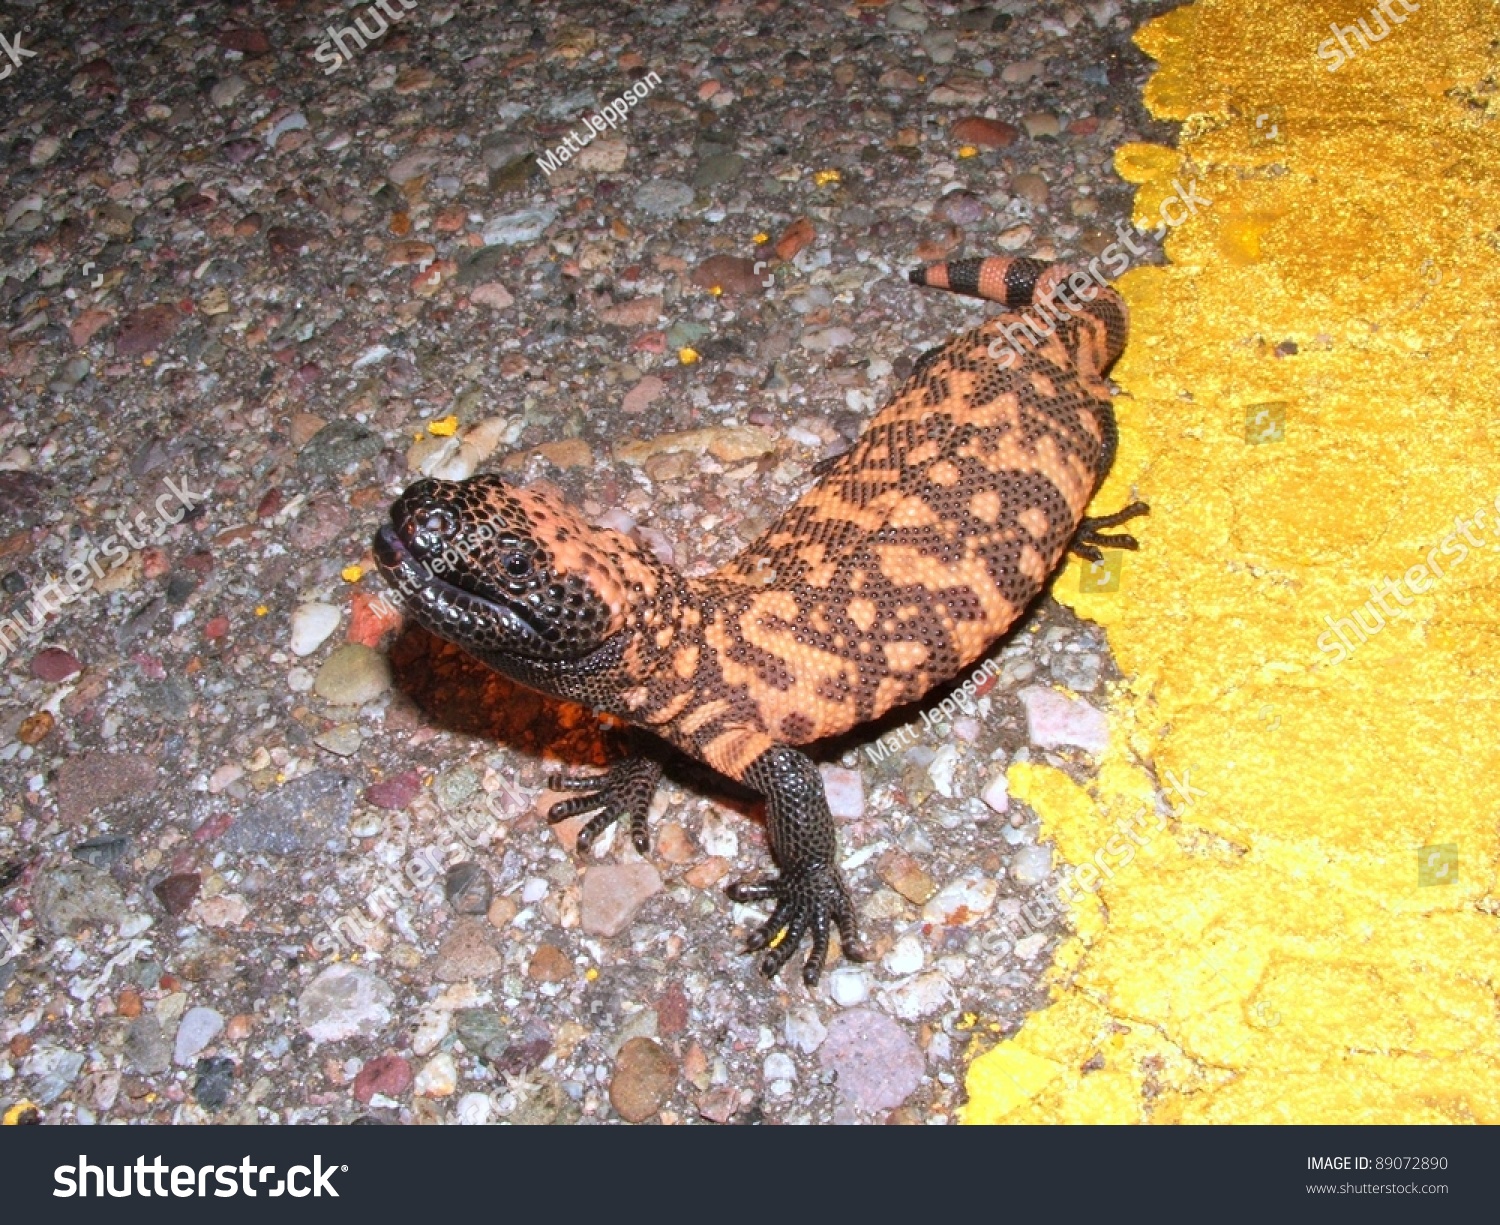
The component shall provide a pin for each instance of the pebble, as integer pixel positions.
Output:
(473, 1110)
(845, 790)
(413, 166)
(177, 892)
(920, 996)
(643, 394)
(663, 197)
(1020, 72)
(985, 133)
(906, 957)
(848, 986)
(643, 1080)
(1041, 123)
(612, 893)
(312, 623)
(437, 1078)
(941, 46)
(1016, 238)
(1028, 947)
(825, 340)
(877, 1062)
(997, 793)
(731, 274)
(779, 1066)
(396, 792)
(54, 665)
(51, 1069)
(1078, 670)
(226, 90)
(906, 876)
(604, 155)
(353, 675)
(941, 769)
(909, 15)
(492, 294)
(199, 1027)
(345, 1001)
(146, 330)
(720, 168)
(467, 888)
(961, 902)
(73, 896)
(147, 1049)
(342, 741)
(213, 1081)
(339, 446)
(467, 952)
(525, 226)
(431, 1028)
(1055, 720)
(804, 1030)
(309, 811)
(1031, 865)
(549, 964)
(1030, 187)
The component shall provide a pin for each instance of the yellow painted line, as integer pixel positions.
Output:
(1312, 404)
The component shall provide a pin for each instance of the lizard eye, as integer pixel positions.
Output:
(517, 565)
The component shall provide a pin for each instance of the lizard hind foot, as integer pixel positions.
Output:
(1088, 539)
(624, 792)
(813, 900)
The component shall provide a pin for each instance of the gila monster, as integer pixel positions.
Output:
(914, 551)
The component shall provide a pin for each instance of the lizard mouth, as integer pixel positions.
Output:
(447, 608)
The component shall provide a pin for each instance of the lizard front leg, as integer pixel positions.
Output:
(810, 894)
(624, 792)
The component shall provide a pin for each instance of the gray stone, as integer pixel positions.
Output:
(877, 1062)
(663, 197)
(339, 445)
(51, 1070)
(353, 675)
(525, 226)
(303, 814)
(1031, 865)
(720, 168)
(345, 1001)
(147, 1050)
(199, 1027)
(74, 896)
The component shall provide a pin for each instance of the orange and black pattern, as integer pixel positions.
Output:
(915, 550)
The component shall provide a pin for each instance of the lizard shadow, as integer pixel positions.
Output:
(457, 693)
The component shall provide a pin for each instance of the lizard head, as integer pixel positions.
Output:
(509, 574)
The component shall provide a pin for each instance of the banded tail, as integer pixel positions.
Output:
(1021, 284)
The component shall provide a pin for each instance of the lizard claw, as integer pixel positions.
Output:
(625, 791)
(811, 900)
(1088, 539)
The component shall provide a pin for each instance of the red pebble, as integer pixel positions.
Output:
(388, 1075)
(54, 664)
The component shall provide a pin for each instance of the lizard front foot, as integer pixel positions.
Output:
(811, 899)
(624, 792)
(1088, 539)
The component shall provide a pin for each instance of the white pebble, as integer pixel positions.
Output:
(311, 625)
(906, 958)
(849, 986)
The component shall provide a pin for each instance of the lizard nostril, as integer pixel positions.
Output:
(438, 521)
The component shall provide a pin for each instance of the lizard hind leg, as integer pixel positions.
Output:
(1088, 539)
(624, 792)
